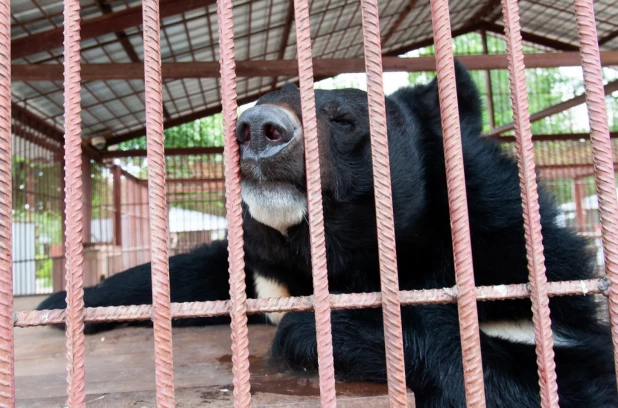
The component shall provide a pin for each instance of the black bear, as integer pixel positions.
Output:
(278, 259)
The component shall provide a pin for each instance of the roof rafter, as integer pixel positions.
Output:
(608, 37)
(554, 109)
(120, 35)
(321, 67)
(175, 151)
(43, 142)
(531, 38)
(28, 118)
(96, 27)
(398, 22)
(465, 29)
(179, 120)
(285, 38)
(125, 42)
(553, 137)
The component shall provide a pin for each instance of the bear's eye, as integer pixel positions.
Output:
(343, 121)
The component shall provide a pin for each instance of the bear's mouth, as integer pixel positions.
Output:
(270, 138)
(279, 205)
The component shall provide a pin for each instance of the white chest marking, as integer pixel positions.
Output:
(518, 331)
(267, 288)
(279, 208)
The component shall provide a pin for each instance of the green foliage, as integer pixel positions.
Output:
(205, 132)
(546, 86)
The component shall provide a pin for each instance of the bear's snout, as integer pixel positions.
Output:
(265, 131)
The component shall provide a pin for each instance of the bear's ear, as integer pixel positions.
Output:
(426, 102)
(289, 87)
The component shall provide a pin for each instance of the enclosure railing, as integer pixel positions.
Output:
(465, 294)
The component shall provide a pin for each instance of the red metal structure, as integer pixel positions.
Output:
(121, 196)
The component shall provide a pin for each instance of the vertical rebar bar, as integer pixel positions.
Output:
(7, 358)
(314, 201)
(162, 323)
(391, 307)
(238, 296)
(531, 210)
(458, 206)
(601, 153)
(73, 209)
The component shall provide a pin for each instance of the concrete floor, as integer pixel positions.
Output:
(120, 370)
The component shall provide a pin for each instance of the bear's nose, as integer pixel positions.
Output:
(264, 130)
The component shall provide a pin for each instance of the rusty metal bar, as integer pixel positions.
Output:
(488, 86)
(314, 203)
(303, 303)
(579, 193)
(74, 215)
(458, 206)
(531, 209)
(391, 308)
(161, 316)
(7, 359)
(238, 296)
(601, 153)
(117, 191)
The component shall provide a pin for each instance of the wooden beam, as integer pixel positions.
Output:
(465, 29)
(250, 98)
(552, 110)
(557, 137)
(96, 27)
(608, 37)
(215, 181)
(486, 11)
(126, 43)
(531, 38)
(182, 151)
(120, 35)
(321, 67)
(398, 22)
(179, 120)
(472, 25)
(45, 143)
(567, 171)
(285, 38)
(188, 151)
(30, 119)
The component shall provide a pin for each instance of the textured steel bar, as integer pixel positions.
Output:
(314, 201)
(391, 308)
(73, 209)
(238, 296)
(601, 153)
(531, 210)
(7, 361)
(161, 314)
(458, 206)
(302, 303)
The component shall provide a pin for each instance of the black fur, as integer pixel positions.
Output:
(431, 333)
